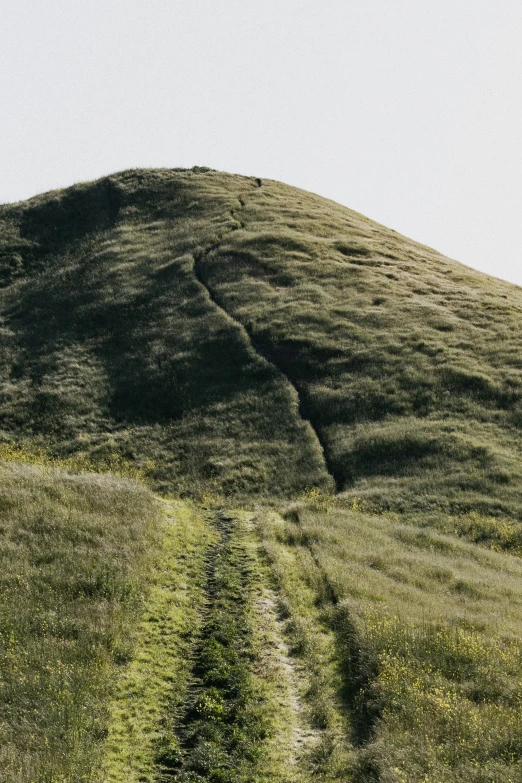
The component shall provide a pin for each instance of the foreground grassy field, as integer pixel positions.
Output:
(425, 639)
(146, 640)
(73, 560)
(325, 644)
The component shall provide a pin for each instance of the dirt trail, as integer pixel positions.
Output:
(272, 625)
(245, 714)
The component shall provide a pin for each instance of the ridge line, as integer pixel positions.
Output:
(198, 259)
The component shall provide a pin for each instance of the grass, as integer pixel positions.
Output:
(226, 333)
(43, 457)
(231, 725)
(134, 644)
(204, 694)
(406, 363)
(242, 343)
(326, 644)
(73, 554)
(330, 757)
(155, 678)
(426, 633)
(114, 347)
(221, 728)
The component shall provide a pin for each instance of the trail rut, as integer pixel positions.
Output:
(262, 353)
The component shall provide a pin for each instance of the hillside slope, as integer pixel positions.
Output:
(238, 334)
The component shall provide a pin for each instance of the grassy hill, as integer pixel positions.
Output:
(326, 585)
(232, 333)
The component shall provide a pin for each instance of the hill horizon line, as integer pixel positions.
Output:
(203, 168)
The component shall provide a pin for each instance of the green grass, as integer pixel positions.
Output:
(73, 558)
(155, 678)
(426, 631)
(221, 729)
(246, 344)
(406, 363)
(205, 694)
(241, 336)
(325, 644)
(231, 725)
(113, 347)
(331, 756)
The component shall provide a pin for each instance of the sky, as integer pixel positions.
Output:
(409, 111)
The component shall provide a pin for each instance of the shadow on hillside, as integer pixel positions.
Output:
(164, 348)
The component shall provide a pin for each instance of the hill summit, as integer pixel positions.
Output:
(236, 333)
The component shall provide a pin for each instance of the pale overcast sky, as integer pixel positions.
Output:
(409, 111)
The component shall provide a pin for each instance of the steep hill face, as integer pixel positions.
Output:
(239, 334)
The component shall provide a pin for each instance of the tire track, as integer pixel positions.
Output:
(218, 731)
(302, 736)
(357, 665)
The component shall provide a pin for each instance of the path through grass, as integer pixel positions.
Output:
(154, 680)
(226, 646)
(213, 691)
